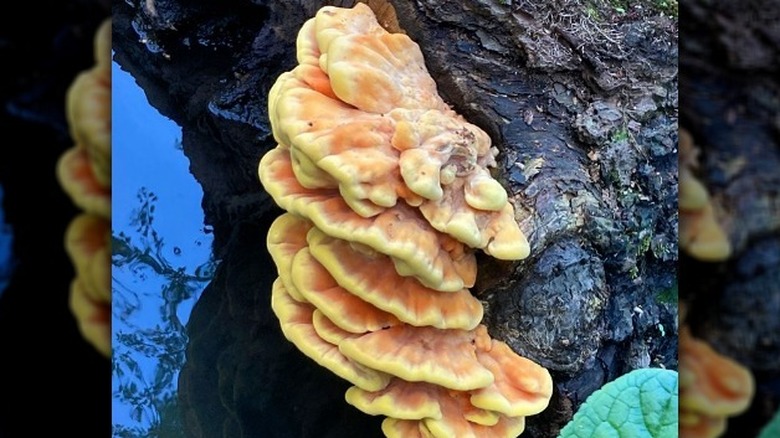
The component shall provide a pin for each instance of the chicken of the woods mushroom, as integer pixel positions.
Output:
(388, 196)
(84, 172)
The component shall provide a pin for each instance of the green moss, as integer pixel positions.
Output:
(619, 6)
(668, 7)
(592, 12)
(644, 243)
(620, 135)
(667, 296)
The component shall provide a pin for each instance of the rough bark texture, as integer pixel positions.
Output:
(730, 55)
(583, 106)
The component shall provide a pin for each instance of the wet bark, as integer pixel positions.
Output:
(729, 62)
(587, 130)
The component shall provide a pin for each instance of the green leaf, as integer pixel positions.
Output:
(772, 429)
(640, 404)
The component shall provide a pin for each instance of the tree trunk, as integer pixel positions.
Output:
(579, 97)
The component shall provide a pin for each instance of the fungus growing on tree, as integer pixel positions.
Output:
(88, 108)
(713, 387)
(87, 244)
(700, 233)
(84, 172)
(78, 180)
(388, 196)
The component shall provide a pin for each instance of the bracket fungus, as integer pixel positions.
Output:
(713, 387)
(388, 196)
(84, 172)
(700, 233)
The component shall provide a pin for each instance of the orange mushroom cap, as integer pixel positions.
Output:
(379, 72)
(312, 177)
(371, 119)
(401, 233)
(346, 310)
(298, 328)
(88, 107)
(360, 124)
(400, 399)
(453, 424)
(89, 114)
(458, 421)
(93, 317)
(416, 401)
(521, 387)
(102, 46)
(688, 152)
(710, 383)
(693, 195)
(333, 138)
(391, 64)
(496, 232)
(702, 236)
(84, 172)
(370, 277)
(446, 412)
(444, 159)
(87, 242)
(333, 22)
(395, 428)
(307, 51)
(439, 146)
(696, 425)
(358, 54)
(287, 236)
(700, 233)
(78, 180)
(423, 354)
(328, 330)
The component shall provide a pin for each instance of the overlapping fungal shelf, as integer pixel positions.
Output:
(713, 388)
(84, 172)
(388, 195)
(700, 233)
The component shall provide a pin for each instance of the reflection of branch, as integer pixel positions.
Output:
(124, 253)
(164, 343)
(150, 252)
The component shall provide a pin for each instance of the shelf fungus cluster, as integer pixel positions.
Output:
(388, 195)
(713, 388)
(84, 172)
(701, 235)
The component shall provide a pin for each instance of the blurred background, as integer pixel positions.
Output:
(44, 362)
(730, 105)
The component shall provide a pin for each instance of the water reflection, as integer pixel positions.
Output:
(161, 263)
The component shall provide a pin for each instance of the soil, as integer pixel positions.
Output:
(581, 99)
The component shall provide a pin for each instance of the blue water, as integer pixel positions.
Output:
(161, 262)
(6, 248)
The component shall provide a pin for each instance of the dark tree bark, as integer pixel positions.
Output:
(580, 99)
(730, 57)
